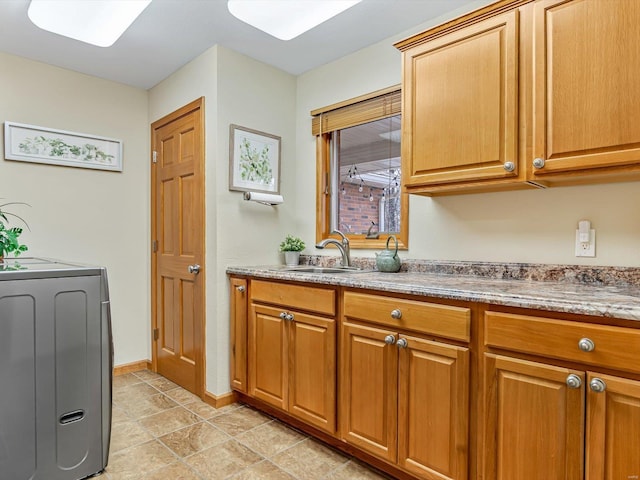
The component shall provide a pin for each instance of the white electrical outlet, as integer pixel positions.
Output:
(586, 249)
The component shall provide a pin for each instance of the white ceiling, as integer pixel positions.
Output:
(170, 33)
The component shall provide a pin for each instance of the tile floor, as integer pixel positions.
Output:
(163, 432)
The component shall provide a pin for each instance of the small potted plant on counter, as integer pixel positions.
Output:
(291, 246)
(9, 237)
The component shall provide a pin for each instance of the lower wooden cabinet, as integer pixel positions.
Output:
(238, 306)
(533, 422)
(292, 362)
(546, 421)
(405, 399)
(557, 399)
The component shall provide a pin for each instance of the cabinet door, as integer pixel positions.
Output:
(460, 95)
(312, 370)
(534, 421)
(433, 406)
(587, 94)
(613, 424)
(369, 389)
(238, 306)
(268, 360)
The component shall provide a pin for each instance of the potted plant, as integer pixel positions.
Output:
(291, 246)
(9, 236)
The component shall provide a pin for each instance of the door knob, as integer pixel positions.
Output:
(402, 343)
(389, 339)
(194, 268)
(241, 288)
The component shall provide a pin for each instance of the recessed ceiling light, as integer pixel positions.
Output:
(286, 19)
(98, 22)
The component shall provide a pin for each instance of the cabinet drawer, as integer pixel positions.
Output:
(613, 347)
(319, 300)
(432, 318)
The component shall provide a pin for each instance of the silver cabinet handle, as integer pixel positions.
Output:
(289, 317)
(283, 315)
(509, 166)
(241, 288)
(402, 343)
(538, 162)
(397, 314)
(586, 345)
(389, 339)
(194, 268)
(597, 385)
(574, 381)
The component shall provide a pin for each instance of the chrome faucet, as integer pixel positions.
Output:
(343, 246)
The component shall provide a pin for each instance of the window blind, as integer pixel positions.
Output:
(367, 108)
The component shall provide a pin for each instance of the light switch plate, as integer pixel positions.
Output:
(586, 249)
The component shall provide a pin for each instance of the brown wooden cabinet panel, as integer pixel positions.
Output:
(312, 370)
(238, 305)
(460, 106)
(613, 347)
(587, 94)
(268, 356)
(368, 396)
(613, 426)
(534, 422)
(433, 402)
(398, 313)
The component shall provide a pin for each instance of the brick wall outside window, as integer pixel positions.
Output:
(356, 211)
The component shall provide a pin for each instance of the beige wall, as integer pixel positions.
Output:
(78, 214)
(241, 91)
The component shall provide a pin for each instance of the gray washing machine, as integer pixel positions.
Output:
(56, 363)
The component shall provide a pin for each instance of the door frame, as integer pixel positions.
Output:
(196, 105)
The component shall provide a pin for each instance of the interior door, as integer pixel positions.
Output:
(178, 246)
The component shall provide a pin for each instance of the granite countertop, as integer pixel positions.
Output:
(602, 291)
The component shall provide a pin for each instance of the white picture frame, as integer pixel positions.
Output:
(254, 161)
(31, 143)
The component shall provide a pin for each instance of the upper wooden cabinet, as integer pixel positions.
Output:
(460, 101)
(550, 80)
(586, 65)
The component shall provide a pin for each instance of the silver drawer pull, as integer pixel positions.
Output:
(241, 288)
(574, 381)
(598, 385)
(389, 339)
(402, 343)
(397, 314)
(586, 345)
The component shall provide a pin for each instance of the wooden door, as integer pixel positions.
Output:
(613, 426)
(268, 355)
(534, 425)
(178, 238)
(460, 104)
(239, 310)
(369, 389)
(433, 409)
(587, 93)
(312, 370)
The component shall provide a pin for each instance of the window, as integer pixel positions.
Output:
(359, 170)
